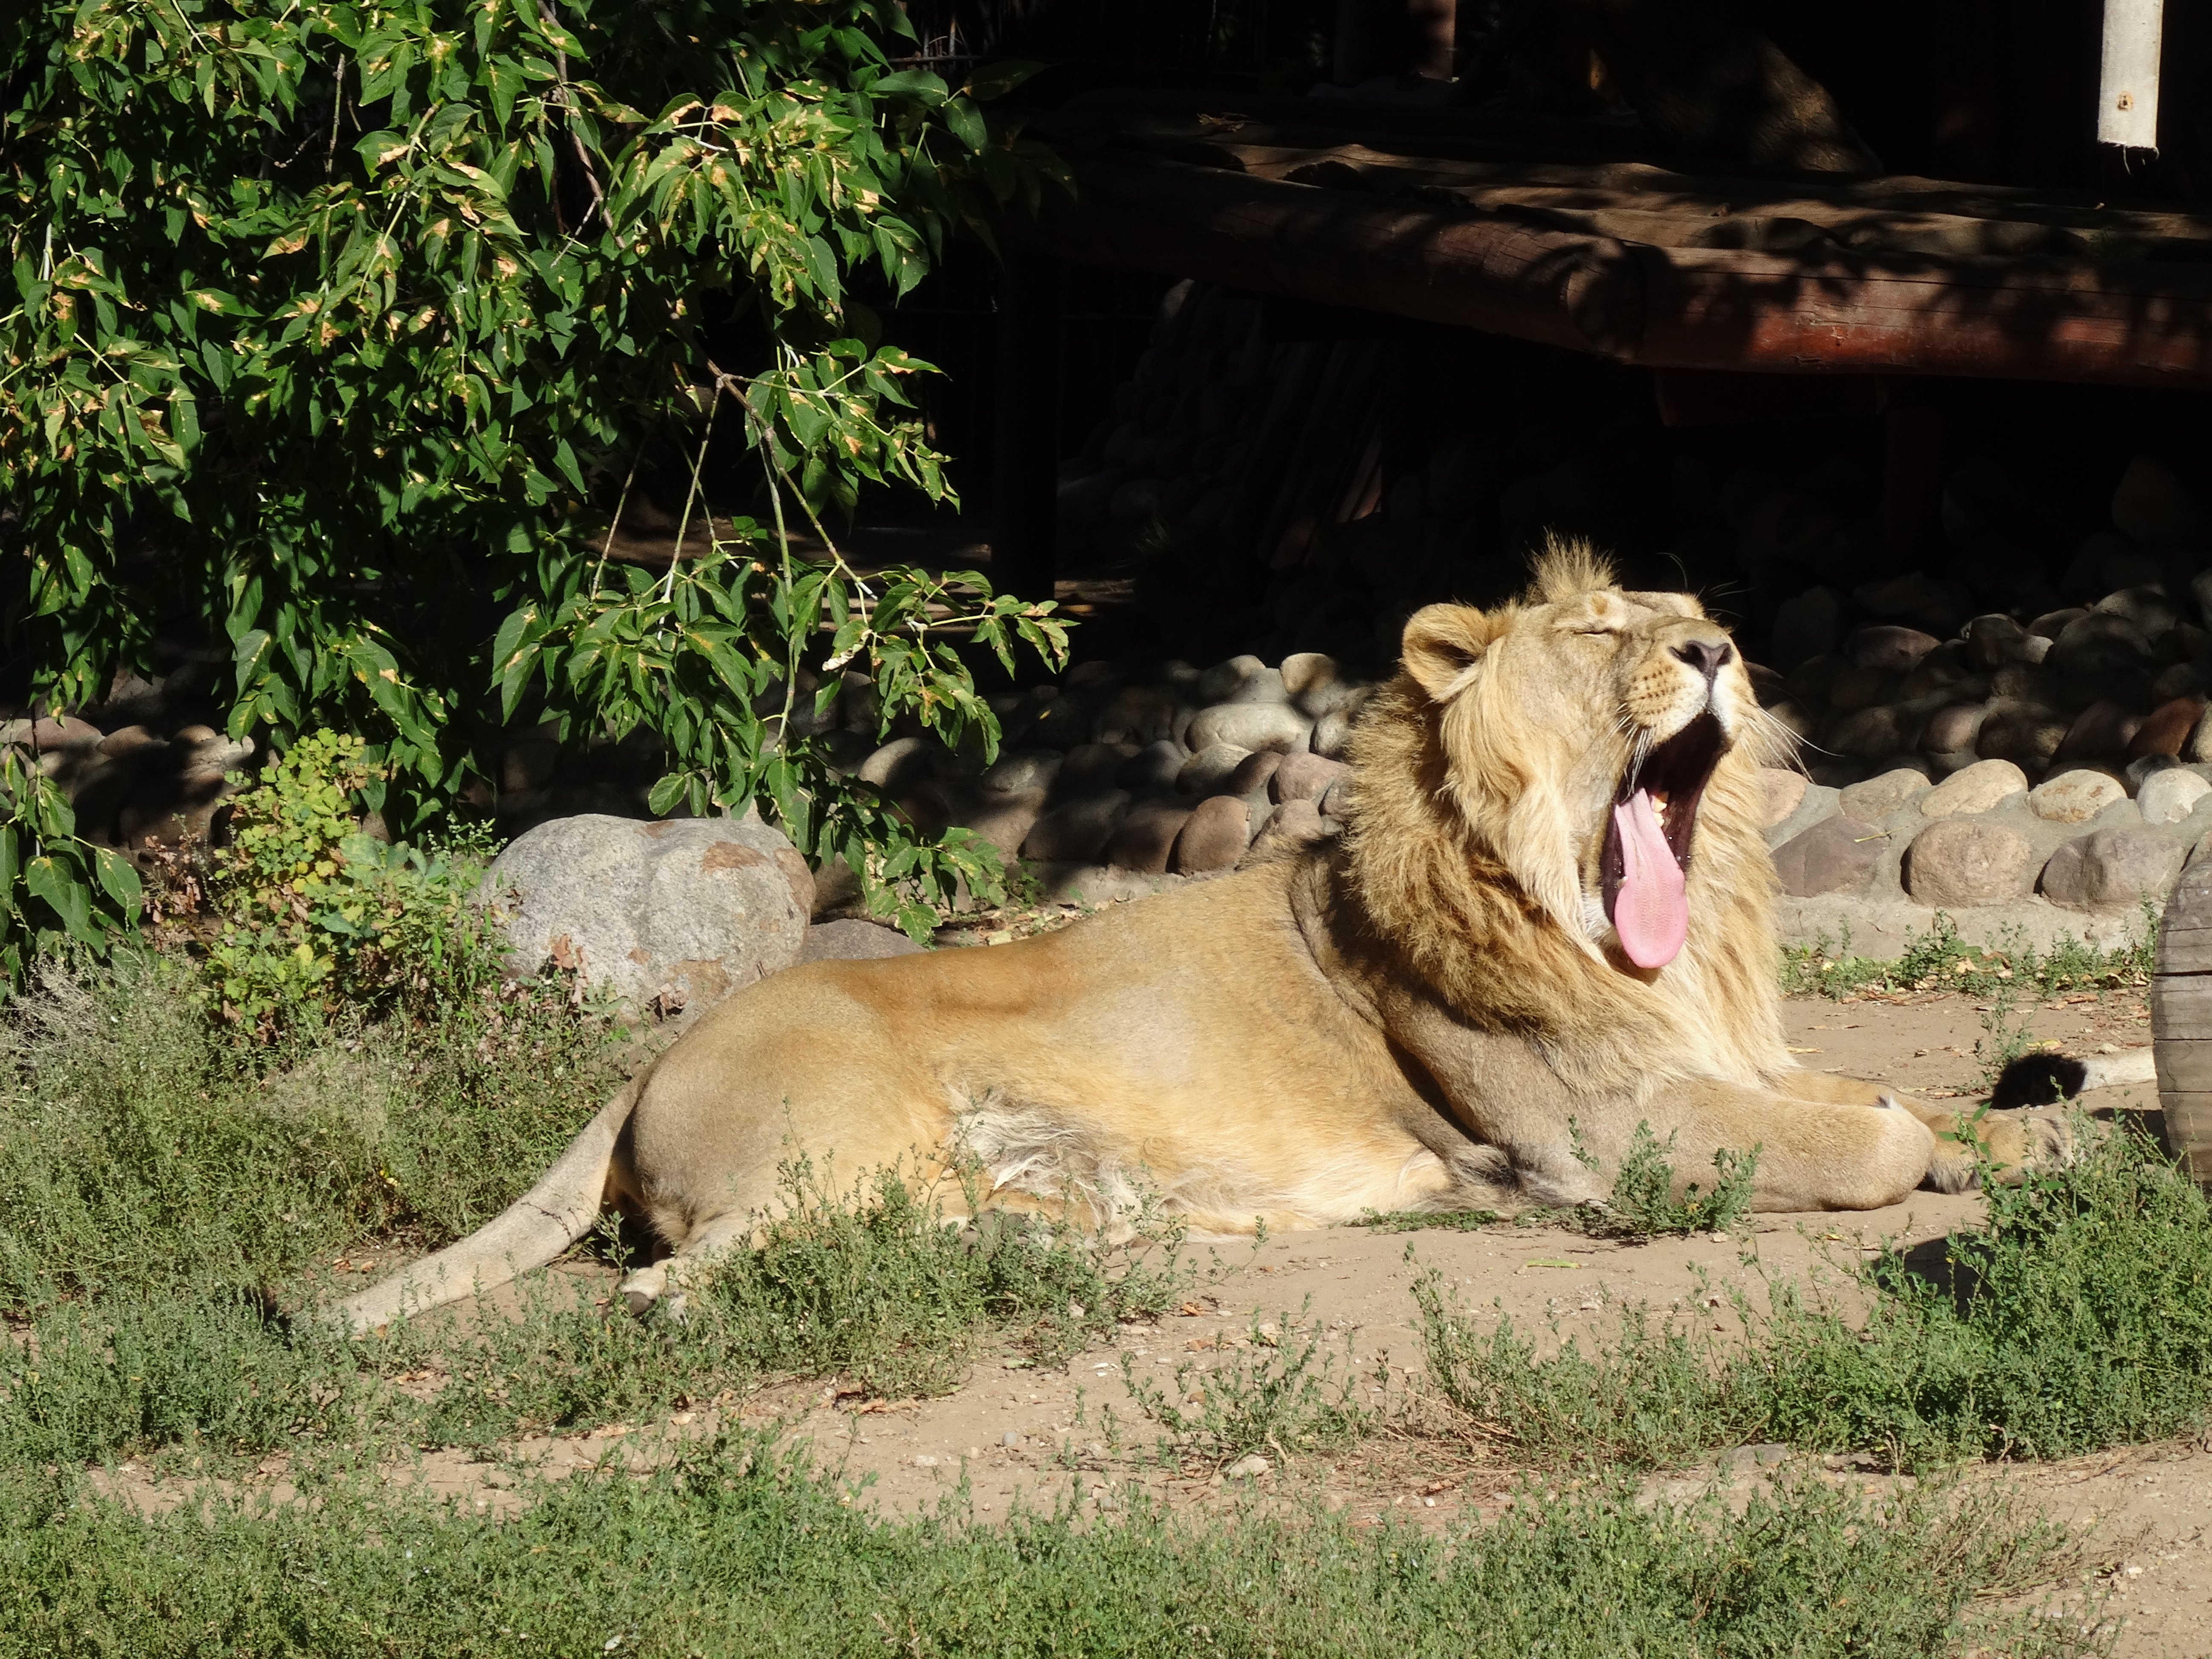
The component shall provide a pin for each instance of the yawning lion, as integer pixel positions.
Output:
(1550, 919)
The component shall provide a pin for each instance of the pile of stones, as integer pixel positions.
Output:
(1123, 777)
(1126, 778)
(2117, 681)
(2075, 854)
(136, 773)
(2048, 776)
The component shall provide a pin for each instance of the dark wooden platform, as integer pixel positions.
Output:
(1576, 236)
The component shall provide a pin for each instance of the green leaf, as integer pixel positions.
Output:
(250, 653)
(118, 880)
(997, 80)
(919, 86)
(66, 894)
(967, 123)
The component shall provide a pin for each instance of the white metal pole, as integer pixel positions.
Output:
(2127, 95)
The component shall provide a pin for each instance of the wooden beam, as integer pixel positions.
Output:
(2125, 324)
(1025, 442)
(1337, 248)
(1822, 309)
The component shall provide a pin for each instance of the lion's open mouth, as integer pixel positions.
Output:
(1647, 843)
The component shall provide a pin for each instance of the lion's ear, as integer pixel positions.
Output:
(1442, 641)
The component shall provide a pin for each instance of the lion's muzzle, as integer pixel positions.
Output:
(1644, 865)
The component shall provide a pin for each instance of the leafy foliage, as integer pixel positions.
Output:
(2075, 1318)
(314, 915)
(1940, 960)
(325, 324)
(750, 1548)
(56, 889)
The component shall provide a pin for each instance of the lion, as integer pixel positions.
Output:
(1549, 920)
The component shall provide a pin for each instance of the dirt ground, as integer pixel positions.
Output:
(1020, 1435)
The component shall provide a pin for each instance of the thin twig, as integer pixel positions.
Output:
(566, 100)
(683, 524)
(338, 109)
(615, 523)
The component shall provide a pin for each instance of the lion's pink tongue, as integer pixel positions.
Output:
(1649, 911)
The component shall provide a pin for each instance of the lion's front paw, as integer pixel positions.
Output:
(2043, 1137)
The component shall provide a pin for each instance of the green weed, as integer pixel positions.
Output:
(740, 1547)
(2076, 1317)
(1940, 960)
(1281, 1393)
(1643, 1204)
(1414, 1221)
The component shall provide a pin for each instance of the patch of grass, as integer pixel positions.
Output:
(1647, 1396)
(1415, 1221)
(1940, 960)
(742, 1548)
(144, 1148)
(885, 1291)
(1281, 1393)
(2078, 1316)
(166, 1179)
(1643, 1204)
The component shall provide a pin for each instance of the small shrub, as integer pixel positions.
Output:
(1940, 960)
(1643, 1205)
(747, 1549)
(1281, 1393)
(313, 914)
(2077, 1316)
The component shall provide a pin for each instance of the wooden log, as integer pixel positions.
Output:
(2189, 1129)
(2126, 325)
(2182, 948)
(2181, 1016)
(2184, 1064)
(1640, 203)
(1437, 265)
(1819, 311)
(1453, 149)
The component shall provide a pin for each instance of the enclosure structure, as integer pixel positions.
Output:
(1584, 239)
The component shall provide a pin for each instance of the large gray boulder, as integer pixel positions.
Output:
(669, 915)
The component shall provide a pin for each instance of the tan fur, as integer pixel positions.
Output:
(1430, 1014)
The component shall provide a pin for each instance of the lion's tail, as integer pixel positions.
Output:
(529, 1233)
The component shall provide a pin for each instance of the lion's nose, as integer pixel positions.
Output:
(1708, 657)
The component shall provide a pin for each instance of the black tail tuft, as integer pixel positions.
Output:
(2039, 1079)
